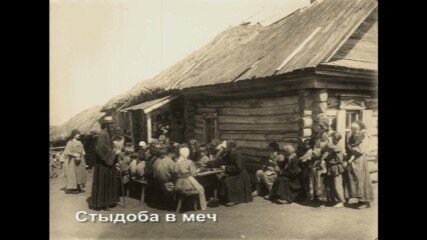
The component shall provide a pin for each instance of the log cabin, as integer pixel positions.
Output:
(256, 84)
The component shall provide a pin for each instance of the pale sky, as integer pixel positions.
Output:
(101, 48)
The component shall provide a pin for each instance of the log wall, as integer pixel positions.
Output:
(252, 123)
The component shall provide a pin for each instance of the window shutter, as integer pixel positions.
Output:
(341, 126)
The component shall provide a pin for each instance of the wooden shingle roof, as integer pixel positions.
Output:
(304, 39)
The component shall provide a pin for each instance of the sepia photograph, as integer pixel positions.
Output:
(213, 119)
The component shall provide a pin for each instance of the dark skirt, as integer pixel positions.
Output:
(237, 188)
(286, 188)
(105, 187)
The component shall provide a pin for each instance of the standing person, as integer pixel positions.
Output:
(185, 172)
(287, 186)
(235, 185)
(334, 155)
(358, 182)
(268, 174)
(305, 155)
(318, 170)
(105, 187)
(76, 166)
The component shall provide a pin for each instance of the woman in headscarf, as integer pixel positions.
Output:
(76, 165)
(236, 185)
(358, 183)
(185, 170)
(287, 186)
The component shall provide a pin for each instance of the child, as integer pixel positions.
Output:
(268, 174)
(333, 155)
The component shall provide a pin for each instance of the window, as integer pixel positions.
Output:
(210, 129)
(350, 116)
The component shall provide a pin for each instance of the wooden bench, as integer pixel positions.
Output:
(194, 195)
(143, 184)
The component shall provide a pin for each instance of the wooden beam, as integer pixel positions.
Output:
(149, 131)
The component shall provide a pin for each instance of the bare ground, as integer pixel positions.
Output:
(259, 219)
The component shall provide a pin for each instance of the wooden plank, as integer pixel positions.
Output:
(149, 131)
(200, 125)
(260, 136)
(201, 110)
(259, 111)
(291, 118)
(258, 127)
(253, 103)
(259, 144)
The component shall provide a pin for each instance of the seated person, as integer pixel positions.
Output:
(186, 171)
(287, 186)
(204, 159)
(268, 174)
(164, 176)
(235, 185)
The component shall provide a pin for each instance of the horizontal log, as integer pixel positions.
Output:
(305, 112)
(259, 144)
(305, 132)
(288, 118)
(254, 152)
(289, 137)
(201, 110)
(200, 125)
(259, 111)
(258, 127)
(252, 103)
(199, 131)
(198, 118)
(305, 122)
(305, 102)
(200, 137)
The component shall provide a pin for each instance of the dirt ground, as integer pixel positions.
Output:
(259, 219)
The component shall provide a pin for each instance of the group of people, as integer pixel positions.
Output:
(318, 169)
(171, 169)
(168, 168)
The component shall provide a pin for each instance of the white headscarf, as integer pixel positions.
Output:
(184, 152)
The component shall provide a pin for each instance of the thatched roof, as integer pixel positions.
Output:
(86, 121)
(304, 39)
(222, 45)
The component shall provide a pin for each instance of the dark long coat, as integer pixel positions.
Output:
(105, 187)
(236, 186)
(287, 185)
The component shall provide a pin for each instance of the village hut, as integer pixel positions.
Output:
(256, 84)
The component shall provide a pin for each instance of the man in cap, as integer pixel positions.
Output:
(105, 187)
